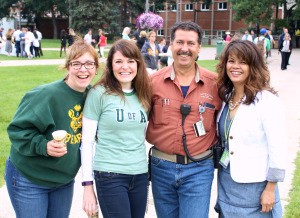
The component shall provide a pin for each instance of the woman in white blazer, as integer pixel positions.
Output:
(251, 127)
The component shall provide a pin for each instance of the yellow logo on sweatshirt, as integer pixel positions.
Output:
(76, 124)
(76, 118)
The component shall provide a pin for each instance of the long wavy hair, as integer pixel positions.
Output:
(259, 75)
(141, 83)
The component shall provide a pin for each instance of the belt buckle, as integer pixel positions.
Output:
(180, 159)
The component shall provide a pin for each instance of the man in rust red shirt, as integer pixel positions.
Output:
(182, 129)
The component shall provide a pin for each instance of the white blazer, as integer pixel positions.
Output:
(257, 140)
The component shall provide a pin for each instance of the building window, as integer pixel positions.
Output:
(206, 33)
(173, 7)
(220, 34)
(188, 7)
(204, 7)
(160, 33)
(222, 6)
(161, 9)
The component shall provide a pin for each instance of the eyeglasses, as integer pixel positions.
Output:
(78, 65)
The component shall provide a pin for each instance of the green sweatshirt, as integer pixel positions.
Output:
(47, 108)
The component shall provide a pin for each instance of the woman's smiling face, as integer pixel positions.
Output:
(124, 69)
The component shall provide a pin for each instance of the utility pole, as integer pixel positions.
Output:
(147, 6)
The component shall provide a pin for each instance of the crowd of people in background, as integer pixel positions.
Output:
(27, 43)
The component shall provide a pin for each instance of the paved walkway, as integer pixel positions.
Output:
(286, 82)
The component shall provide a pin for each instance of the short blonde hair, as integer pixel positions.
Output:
(78, 49)
(150, 33)
(143, 33)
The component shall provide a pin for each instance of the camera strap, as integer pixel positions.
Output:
(185, 110)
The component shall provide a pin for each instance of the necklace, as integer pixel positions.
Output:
(233, 106)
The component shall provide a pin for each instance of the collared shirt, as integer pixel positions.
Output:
(164, 129)
(16, 35)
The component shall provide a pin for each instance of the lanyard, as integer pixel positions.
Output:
(225, 125)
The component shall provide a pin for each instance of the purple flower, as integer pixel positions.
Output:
(149, 21)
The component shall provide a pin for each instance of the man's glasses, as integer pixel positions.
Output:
(78, 65)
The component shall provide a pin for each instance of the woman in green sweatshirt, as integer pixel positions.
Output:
(40, 171)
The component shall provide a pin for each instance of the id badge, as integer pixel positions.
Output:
(199, 128)
(224, 161)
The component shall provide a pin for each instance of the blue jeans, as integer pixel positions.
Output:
(33, 201)
(181, 191)
(120, 195)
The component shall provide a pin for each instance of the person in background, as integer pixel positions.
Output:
(88, 37)
(102, 43)
(28, 41)
(9, 41)
(36, 44)
(227, 36)
(71, 37)
(285, 49)
(272, 43)
(161, 44)
(253, 161)
(150, 50)
(247, 36)
(99, 35)
(297, 34)
(1, 37)
(164, 56)
(40, 36)
(22, 42)
(16, 36)
(263, 43)
(63, 41)
(40, 171)
(184, 95)
(253, 34)
(142, 39)
(125, 33)
(116, 115)
(136, 33)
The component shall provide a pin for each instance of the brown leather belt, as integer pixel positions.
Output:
(177, 158)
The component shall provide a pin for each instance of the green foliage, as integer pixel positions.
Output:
(253, 11)
(95, 15)
(112, 16)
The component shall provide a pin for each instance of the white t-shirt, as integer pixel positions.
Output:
(88, 38)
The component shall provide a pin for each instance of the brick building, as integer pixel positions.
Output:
(215, 19)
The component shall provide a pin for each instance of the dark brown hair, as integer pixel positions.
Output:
(141, 83)
(259, 75)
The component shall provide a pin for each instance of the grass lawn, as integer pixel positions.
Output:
(50, 43)
(292, 209)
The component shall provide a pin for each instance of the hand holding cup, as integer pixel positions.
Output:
(57, 147)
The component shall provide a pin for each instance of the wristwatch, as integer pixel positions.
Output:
(87, 183)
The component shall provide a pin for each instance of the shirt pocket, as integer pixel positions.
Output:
(161, 115)
(208, 118)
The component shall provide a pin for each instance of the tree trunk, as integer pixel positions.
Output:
(53, 18)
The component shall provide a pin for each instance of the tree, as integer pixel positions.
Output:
(5, 6)
(55, 7)
(37, 8)
(112, 16)
(94, 14)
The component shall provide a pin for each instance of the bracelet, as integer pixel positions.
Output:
(87, 183)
